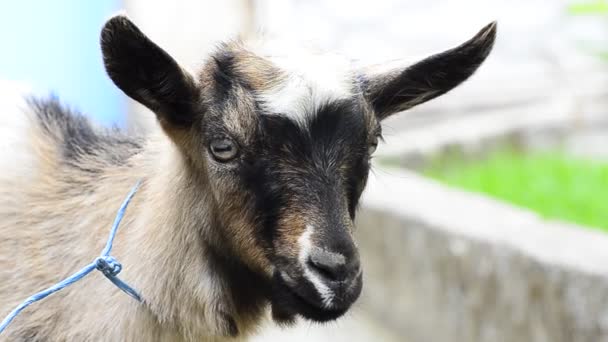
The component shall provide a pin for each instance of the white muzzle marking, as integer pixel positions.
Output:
(306, 248)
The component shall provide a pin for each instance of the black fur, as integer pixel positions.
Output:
(319, 167)
(334, 137)
(249, 290)
(287, 303)
(147, 73)
(223, 73)
(339, 129)
(431, 77)
(77, 137)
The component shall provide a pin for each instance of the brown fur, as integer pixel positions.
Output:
(50, 228)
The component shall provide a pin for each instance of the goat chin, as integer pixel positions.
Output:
(287, 304)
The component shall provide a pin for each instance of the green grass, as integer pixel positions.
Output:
(555, 185)
(594, 7)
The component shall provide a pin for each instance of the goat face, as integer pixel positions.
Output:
(284, 144)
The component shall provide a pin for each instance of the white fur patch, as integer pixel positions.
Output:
(313, 80)
(327, 295)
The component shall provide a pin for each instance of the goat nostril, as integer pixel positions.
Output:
(328, 271)
(333, 266)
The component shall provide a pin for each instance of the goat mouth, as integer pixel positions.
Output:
(287, 303)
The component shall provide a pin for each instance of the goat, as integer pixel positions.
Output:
(249, 191)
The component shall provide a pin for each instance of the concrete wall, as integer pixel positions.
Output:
(444, 265)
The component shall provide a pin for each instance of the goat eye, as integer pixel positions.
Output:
(372, 147)
(223, 149)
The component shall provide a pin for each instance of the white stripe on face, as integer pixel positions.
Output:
(327, 295)
(312, 80)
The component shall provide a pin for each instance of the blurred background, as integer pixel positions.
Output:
(536, 107)
(53, 48)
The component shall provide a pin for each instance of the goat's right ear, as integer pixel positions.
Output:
(146, 73)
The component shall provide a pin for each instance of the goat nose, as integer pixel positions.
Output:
(334, 266)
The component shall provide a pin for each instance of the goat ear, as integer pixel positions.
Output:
(147, 74)
(400, 88)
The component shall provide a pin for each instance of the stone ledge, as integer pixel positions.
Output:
(444, 265)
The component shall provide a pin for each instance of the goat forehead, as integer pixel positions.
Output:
(311, 81)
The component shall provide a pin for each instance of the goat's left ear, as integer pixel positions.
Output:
(148, 74)
(401, 88)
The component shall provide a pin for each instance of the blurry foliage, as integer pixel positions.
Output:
(596, 7)
(555, 185)
(592, 9)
